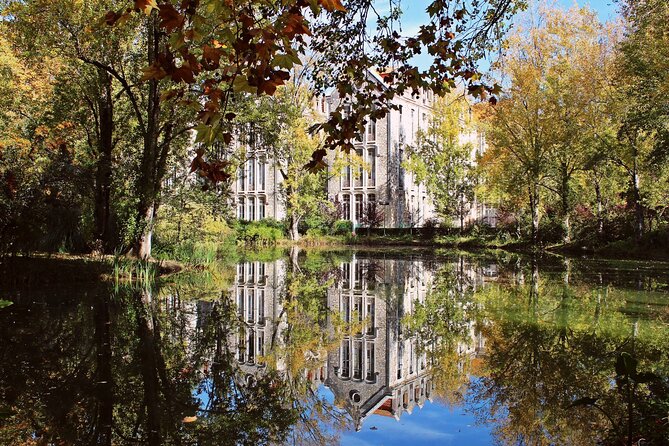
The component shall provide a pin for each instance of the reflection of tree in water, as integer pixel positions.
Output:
(551, 373)
(123, 369)
(444, 325)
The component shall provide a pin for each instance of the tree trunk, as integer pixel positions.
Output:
(600, 218)
(638, 206)
(103, 175)
(104, 377)
(154, 157)
(534, 209)
(566, 208)
(294, 232)
(462, 213)
(149, 367)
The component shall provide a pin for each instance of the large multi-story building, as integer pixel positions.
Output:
(383, 180)
(380, 178)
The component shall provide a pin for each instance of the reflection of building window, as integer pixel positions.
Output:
(346, 308)
(251, 344)
(345, 359)
(346, 276)
(252, 272)
(261, 306)
(370, 362)
(371, 314)
(262, 279)
(357, 358)
(251, 306)
(241, 347)
(400, 353)
(261, 343)
(358, 275)
(357, 306)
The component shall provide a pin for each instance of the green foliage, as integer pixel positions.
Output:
(263, 232)
(442, 157)
(342, 227)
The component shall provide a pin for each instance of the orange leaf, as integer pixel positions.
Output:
(170, 17)
(146, 6)
(332, 5)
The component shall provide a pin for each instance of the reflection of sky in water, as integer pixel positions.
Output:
(434, 424)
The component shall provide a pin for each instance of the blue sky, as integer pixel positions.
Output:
(414, 15)
(414, 10)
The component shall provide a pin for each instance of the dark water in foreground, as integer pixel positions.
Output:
(342, 348)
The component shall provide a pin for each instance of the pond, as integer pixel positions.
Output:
(341, 347)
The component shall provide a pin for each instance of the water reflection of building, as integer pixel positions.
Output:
(256, 293)
(379, 370)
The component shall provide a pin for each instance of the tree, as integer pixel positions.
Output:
(261, 42)
(541, 126)
(442, 157)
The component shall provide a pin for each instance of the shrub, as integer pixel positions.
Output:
(263, 232)
(342, 227)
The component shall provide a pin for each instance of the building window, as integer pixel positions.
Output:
(347, 177)
(252, 174)
(358, 207)
(242, 177)
(240, 302)
(371, 175)
(262, 171)
(361, 173)
(371, 130)
(252, 208)
(240, 209)
(261, 208)
(401, 169)
(347, 207)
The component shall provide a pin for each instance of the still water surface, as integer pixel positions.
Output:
(352, 348)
